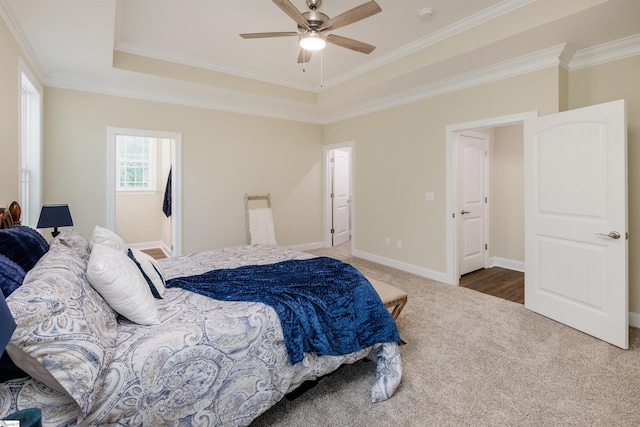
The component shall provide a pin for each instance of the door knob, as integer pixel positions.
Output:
(466, 212)
(612, 234)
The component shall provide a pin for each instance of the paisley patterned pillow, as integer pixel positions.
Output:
(71, 240)
(66, 332)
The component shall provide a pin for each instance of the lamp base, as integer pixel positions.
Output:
(55, 232)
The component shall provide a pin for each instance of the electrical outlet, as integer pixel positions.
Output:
(387, 241)
(399, 243)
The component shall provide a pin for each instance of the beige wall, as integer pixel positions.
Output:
(9, 137)
(507, 193)
(139, 217)
(224, 156)
(400, 154)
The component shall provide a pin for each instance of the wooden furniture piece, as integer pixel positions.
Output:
(10, 216)
(259, 219)
(392, 297)
(248, 198)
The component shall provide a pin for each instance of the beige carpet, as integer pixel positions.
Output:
(476, 360)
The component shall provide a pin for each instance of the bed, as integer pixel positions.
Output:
(106, 354)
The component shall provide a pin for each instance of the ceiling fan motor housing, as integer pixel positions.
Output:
(315, 20)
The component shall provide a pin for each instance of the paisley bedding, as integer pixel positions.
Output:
(207, 362)
(325, 306)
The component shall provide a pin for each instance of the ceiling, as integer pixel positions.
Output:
(190, 51)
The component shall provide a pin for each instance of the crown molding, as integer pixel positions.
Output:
(606, 52)
(18, 26)
(524, 64)
(206, 65)
(156, 89)
(226, 100)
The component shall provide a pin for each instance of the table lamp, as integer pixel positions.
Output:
(54, 216)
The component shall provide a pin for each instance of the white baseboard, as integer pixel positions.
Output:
(308, 246)
(410, 268)
(634, 319)
(506, 263)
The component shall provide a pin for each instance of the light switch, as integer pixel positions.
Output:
(430, 196)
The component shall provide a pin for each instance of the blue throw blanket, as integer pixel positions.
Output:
(325, 306)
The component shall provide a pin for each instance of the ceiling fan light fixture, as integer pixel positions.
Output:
(312, 41)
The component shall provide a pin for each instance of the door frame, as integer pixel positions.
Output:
(176, 178)
(327, 191)
(451, 203)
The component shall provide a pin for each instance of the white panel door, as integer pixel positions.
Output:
(472, 148)
(576, 220)
(341, 196)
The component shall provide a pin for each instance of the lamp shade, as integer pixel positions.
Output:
(7, 322)
(54, 216)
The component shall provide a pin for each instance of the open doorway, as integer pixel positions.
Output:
(339, 194)
(566, 217)
(143, 183)
(504, 238)
(490, 221)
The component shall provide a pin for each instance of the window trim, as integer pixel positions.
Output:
(30, 140)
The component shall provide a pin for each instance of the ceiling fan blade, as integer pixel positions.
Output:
(356, 14)
(264, 35)
(304, 56)
(350, 44)
(294, 13)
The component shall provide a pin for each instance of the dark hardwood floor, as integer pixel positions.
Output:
(156, 253)
(496, 281)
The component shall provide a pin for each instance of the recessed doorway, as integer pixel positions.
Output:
(159, 205)
(339, 206)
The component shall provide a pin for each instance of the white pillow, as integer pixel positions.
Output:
(121, 284)
(151, 270)
(104, 236)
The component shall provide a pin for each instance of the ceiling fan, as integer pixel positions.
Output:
(313, 27)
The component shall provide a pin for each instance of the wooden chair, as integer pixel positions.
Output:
(10, 216)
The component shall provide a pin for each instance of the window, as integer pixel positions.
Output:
(30, 145)
(136, 163)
